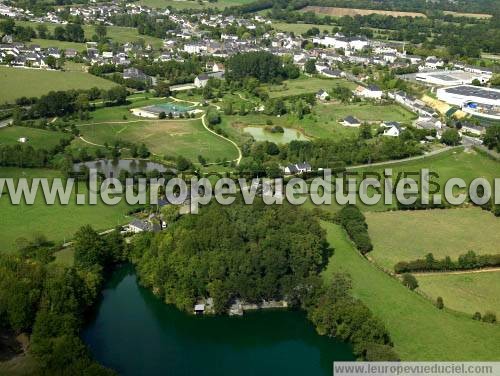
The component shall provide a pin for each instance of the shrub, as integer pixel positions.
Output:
(376, 353)
(439, 302)
(490, 317)
(410, 281)
(476, 316)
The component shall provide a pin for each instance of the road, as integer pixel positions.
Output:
(428, 155)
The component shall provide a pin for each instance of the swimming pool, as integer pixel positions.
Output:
(168, 107)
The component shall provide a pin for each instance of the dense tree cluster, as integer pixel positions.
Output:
(261, 65)
(50, 301)
(21, 155)
(335, 312)
(492, 137)
(354, 222)
(250, 252)
(467, 261)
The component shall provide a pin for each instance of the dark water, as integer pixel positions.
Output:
(137, 334)
(112, 168)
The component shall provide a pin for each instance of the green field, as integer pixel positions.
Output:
(38, 138)
(298, 28)
(305, 85)
(187, 138)
(418, 329)
(409, 235)
(472, 292)
(117, 34)
(57, 222)
(18, 82)
(45, 43)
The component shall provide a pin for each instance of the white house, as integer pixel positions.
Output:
(369, 92)
(351, 121)
(297, 168)
(322, 95)
(392, 128)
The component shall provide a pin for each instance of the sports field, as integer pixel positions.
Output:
(469, 293)
(19, 82)
(419, 330)
(409, 235)
(57, 222)
(38, 138)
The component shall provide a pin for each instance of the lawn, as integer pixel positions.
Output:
(19, 82)
(409, 235)
(45, 43)
(418, 329)
(473, 292)
(117, 34)
(298, 28)
(57, 222)
(305, 85)
(187, 138)
(38, 138)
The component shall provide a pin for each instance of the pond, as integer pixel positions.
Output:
(112, 168)
(135, 333)
(289, 134)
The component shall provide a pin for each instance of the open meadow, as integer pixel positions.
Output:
(118, 34)
(38, 138)
(469, 292)
(307, 85)
(409, 235)
(340, 12)
(56, 222)
(19, 82)
(418, 329)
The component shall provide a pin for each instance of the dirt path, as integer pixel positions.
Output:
(240, 155)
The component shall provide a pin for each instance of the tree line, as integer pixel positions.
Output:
(467, 261)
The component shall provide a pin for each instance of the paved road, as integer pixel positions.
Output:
(430, 154)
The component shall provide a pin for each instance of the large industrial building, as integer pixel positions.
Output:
(451, 77)
(475, 100)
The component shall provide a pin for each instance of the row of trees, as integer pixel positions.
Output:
(467, 261)
(354, 222)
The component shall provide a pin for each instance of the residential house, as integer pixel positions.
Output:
(201, 80)
(392, 128)
(298, 168)
(369, 92)
(351, 121)
(322, 95)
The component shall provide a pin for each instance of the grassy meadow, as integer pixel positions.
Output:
(38, 138)
(418, 329)
(118, 34)
(168, 137)
(57, 222)
(409, 235)
(19, 82)
(469, 293)
(305, 85)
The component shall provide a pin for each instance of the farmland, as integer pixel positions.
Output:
(19, 82)
(409, 235)
(472, 15)
(339, 12)
(38, 138)
(469, 293)
(57, 222)
(419, 330)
